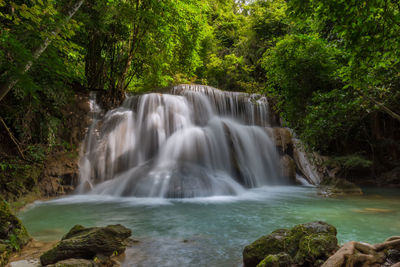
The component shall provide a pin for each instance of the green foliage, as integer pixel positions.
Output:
(369, 31)
(132, 44)
(297, 67)
(330, 66)
(330, 117)
(36, 152)
(348, 162)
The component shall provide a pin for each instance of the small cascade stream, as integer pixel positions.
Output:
(193, 141)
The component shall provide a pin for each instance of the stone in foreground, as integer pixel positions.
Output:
(308, 244)
(74, 263)
(87, 243)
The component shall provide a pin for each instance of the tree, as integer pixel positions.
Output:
(369, 31)
(129, 41)
(296, 68)
(29, 13)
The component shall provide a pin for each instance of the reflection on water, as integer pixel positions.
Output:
(213, 231)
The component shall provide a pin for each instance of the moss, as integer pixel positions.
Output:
(266, 245)
(13, 234)
(269, 261)
(276, 260)
(315, 247)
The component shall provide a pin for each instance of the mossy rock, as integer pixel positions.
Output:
(276, 260)
(13, 234)
(316, 247)
(273, 243)
(305, 244)
(87, 243)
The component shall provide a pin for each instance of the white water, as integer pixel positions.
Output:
(196, 141)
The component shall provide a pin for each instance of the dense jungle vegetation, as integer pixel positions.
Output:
(331, 68)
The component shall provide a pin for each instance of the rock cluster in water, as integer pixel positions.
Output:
(308, 244)
(95, 243)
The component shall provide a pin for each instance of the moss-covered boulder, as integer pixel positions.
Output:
(13, 234)
(305, 244)
(331, 187)
(87, 243)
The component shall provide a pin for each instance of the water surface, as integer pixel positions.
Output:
(212, 231)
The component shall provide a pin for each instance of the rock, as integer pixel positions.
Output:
(74, 263)
(273, 243)
(305, 244)
(13, 234)
(307, 163)
(363, 254)
(288, 169)
(25, 263)
(87, 243)
(283, 140)
(330, 187)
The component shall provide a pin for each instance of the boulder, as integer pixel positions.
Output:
(306, 244)
(87, 243)
(288, 169)
(331, 187)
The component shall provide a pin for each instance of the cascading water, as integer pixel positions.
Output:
(196, 141)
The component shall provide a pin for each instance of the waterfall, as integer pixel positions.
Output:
(193, 141)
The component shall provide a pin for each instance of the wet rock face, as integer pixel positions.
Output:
(288, 168)
(283, 140)
(308, 244)
(88, 243)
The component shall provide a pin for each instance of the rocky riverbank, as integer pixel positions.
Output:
(80, 247)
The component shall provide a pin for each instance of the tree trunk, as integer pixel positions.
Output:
(11, 82)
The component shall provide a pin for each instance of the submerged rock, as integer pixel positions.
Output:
(330, 187)
(306, 244)
(88, 243)
(13, 234)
